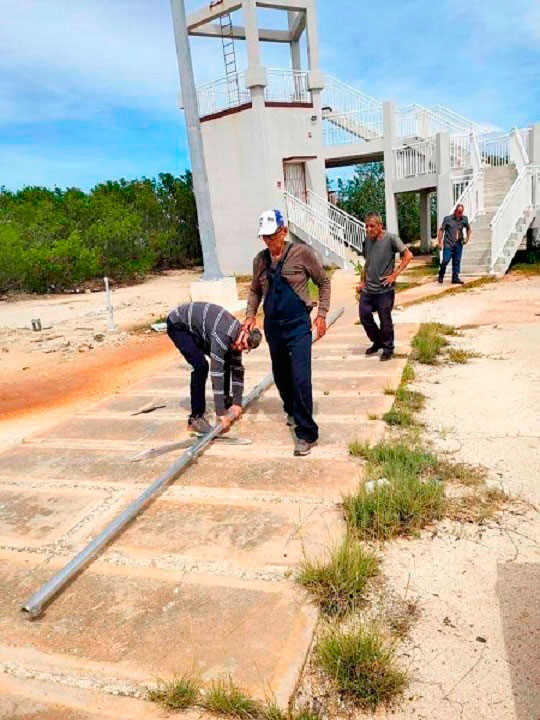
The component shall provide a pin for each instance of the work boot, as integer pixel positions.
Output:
(199, 425)
(387, 355)
(290, 421)
(440, 280)
(458, 282)
(302, 447)
(373, 349)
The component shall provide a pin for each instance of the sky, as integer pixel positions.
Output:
(89, 88)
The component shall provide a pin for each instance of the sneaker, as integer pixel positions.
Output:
(199, 425)
(458, 282)
(303, 447)
(387, 355)
(290, 421)
(373, 349)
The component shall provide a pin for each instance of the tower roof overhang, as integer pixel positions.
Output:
(200, 21)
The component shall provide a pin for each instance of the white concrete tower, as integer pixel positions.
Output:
(261, 127)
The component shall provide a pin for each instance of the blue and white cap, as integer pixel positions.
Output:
(270, 222)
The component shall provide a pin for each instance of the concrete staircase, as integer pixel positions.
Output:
(477, 254)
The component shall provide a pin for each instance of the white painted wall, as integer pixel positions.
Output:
(244, 158)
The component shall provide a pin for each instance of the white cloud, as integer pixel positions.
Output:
(62, 59)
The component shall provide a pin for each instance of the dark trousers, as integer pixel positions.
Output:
(189, 347)
(290, 351)
(383, 305)
(454, 254)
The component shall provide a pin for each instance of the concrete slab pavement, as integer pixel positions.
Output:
(199, 582)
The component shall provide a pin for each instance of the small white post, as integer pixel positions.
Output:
(109, 305)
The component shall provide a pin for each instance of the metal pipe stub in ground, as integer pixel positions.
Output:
(33, 607)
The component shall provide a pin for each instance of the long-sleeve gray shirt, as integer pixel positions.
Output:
(215, 330)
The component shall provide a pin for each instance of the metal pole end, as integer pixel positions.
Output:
(31, 612)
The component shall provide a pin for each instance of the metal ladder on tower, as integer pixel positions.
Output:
(229, 58)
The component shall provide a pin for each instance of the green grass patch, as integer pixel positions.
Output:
(429, 342)
(338, 584)
(408, 374)
(406, 285)
(453, 290)
(223, 697)
(362, 665)
(402, 497)
(421, 271)
(407, 402)
(178, 693)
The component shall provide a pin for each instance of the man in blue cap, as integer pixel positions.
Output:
(281, 274)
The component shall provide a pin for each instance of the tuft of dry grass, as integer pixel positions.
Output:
(479, 506)
(178, 693)
(406, 404)
(472, 285)
(338, 584)
(362, 666)
(223, 697)
(461, 357)
(429, 342)
(460, 473)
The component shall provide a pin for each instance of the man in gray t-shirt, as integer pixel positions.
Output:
(451, 240)
(377, 286)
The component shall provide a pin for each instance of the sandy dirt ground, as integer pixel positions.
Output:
(475, 652)
(46, 376)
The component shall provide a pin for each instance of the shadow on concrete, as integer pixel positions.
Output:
(518, 591)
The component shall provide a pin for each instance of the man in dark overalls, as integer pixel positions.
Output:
(281, 274)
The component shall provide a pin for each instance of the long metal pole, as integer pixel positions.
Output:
(212, 269)
(34, 605)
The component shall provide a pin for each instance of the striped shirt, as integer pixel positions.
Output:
(215, 330)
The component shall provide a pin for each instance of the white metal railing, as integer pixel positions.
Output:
(459, 121)
(289, 86)
(460, 151)
(415, 121)
(415, 159)
(459, 185)
(346, 128)
(326, 224)
(223, 94)
(472, 196)
(342, 98)
(518, 153)
(494, 151)
(525, 134)
(524, 194)
(353, 231)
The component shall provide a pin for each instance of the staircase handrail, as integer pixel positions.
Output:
(333, 228)
(344, 131)
(518, 153)
(413, 159)
(324, 238)
(518, 198)
(346, 218)
(465, 123)
(472, 197)
(340, 97)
